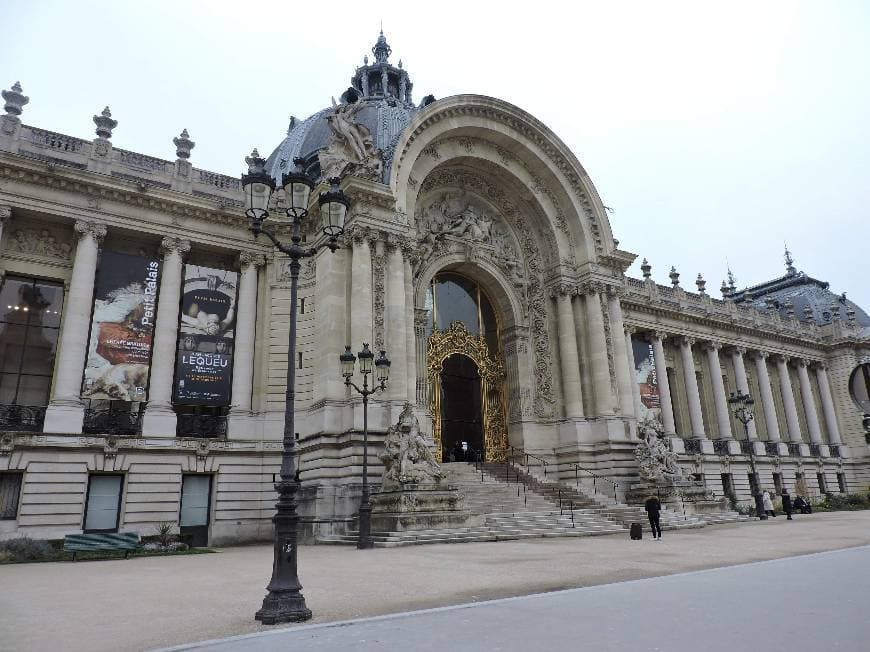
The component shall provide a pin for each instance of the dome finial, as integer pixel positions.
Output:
(381, 50)
(789, 262)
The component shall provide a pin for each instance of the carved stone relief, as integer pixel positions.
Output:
(41, 241)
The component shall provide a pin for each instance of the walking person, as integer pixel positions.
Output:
(786, 503)
(768, 504)
(653, 507)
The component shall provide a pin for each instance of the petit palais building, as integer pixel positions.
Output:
(144, 333)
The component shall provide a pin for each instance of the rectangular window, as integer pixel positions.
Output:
(302, 305)
(777, 483)
(727, 485)
(10, 491)
(195, 507)
(299, 360)
(104, 503)
(841, 480)
(823, 483)
(30, 312)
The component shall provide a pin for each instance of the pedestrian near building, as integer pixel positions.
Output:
(768, 504)
(653, 507)
(786, 503)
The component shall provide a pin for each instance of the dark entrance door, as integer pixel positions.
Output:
(195, 507)
(461, 415)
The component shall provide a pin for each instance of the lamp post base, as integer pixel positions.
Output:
(284, 607)
(759, 507)
(365, 526)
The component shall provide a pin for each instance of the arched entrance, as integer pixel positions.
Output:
(465, 371)
(461, 410)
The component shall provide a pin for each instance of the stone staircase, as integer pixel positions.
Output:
(516, 505)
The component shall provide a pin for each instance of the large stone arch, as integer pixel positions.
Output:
(497, 131)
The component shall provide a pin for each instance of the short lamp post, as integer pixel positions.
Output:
(284, 601)
(382, 375)
(742, 406)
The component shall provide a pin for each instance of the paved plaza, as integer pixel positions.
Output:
(147, 603)
(822, 602)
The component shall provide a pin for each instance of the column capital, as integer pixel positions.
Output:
(685, 340)
(819, 365)
(359, 235)
(614, 291)
(779, 358)
(179, 246)
(562, 290)
(5, 214)
(591, 287)
(710, 345)
(801, 362)
(737, 350)
(659, 335)
(248, 258)
(96, 230)
(629, 330)
(763, 355)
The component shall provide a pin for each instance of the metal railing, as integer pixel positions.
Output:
(112, 421)
(816, 450)
(210, 426)
(794, 449)
(835, 450)
(747, 446)
(692, 446)
(21, 418)
(771, 448)
(720, 446)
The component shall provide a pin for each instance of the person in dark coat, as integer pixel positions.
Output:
(653, 507)
(786, 504)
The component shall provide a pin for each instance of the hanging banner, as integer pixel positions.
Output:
(646, 377)
(122, 325)
(204, 359)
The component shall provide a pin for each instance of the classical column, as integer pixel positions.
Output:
(568, 357)
(630, 370)
(828, 405)
(620, 353)
(767, 405)
(245, 335)
(159, 417)
(742, 381)
(395, 321)
(410, 361)
(720, 401)
(65, 412)
(663, 383)
(696, 416)
(791, 415)
(809, 403)
(598, 349)
(5, 216)
(361, 292)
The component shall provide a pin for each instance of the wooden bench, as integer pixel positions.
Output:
(125, 541)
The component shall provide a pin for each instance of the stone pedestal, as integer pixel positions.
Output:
(421, 507)
(679, 496)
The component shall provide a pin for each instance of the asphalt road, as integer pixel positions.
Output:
(813, 602)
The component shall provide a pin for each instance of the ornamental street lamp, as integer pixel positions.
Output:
(284, 601)
(743, 411)
(382, 375)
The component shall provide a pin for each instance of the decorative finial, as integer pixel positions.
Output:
(789, 307)
(15, 100)
(381, 50)
(724, 290)
(293, 122)
(850, 315)
(808, 313)
(835, 311)
(732, 281)
(105, 124)
(789, 263)
(748, 296)
(675, 277)
(256, 164)
(400, 64)
(183, 145)
(366, 60)
(702, 285)
(645, 268)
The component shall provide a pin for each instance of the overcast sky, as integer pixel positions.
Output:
(715, 131)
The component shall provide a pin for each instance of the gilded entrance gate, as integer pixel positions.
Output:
(457, 340)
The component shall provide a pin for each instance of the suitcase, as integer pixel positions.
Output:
(636, 531)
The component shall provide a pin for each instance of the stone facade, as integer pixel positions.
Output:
(468, 185)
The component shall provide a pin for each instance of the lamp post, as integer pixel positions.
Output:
(284, 601)
(382, 375)
(743, 411)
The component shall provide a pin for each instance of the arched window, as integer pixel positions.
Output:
(453, 297)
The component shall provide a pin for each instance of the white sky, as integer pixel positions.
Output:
(714, 130)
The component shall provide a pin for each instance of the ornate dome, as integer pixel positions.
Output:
(806, 297)
(384, 91)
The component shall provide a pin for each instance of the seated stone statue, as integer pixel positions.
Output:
(406, 456)
(655, 460)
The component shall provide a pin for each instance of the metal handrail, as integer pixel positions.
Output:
(595, 478)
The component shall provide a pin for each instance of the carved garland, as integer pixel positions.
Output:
(457, 340)
(544, 400)
(379, 262)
